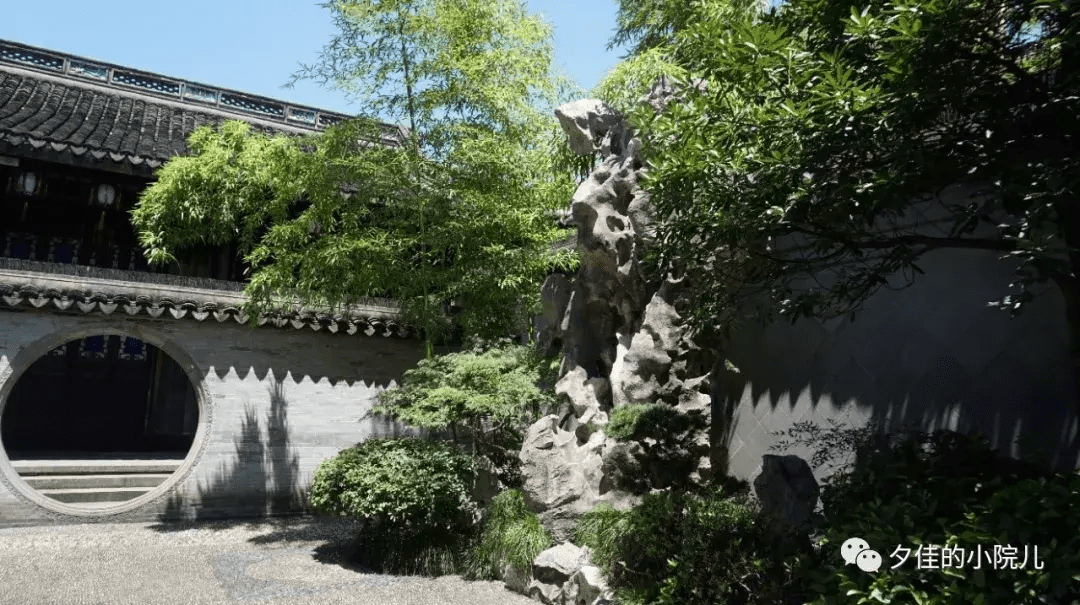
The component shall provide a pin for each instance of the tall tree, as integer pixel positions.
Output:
(821, 122)
(456, 213)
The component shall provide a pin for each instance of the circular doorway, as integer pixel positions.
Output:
(99, 424)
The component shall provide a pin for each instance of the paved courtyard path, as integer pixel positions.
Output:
(296, 561)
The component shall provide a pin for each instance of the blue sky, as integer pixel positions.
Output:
(253, 46)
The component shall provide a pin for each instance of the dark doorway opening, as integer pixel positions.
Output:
(112, 393)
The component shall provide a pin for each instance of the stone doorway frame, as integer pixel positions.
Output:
(41, 347)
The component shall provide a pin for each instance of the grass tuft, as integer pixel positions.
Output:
(511, 534)
(600, 530)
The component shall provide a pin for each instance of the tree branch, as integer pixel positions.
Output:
(931, 243)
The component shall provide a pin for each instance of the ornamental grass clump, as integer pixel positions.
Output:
(600, 529)
(512, 535)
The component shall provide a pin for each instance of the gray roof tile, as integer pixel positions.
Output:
(36, 111)
(138, 118)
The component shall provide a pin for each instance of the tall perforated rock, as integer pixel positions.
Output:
(621, 335)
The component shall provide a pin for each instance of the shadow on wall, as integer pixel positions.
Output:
(263, 479)
(918, 357)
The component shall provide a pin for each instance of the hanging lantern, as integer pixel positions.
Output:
(27, 183)
(106, 195)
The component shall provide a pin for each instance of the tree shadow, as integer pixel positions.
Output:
(262, 480)
(259, 490)
(339, 537)
(932, 356)
(755, 411)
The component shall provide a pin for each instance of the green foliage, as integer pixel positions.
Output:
(820, 124)
(601, 529)
(623, 86)
(624, 420)
(413, 494)
(657, 421)
(332, 250)
(443, 65)
(687, 548)
(511, 535)
(498, 383)
(457, 215)
(650, 24)
(494, 390)
(946, 489)
(401, 481)
(666, 446)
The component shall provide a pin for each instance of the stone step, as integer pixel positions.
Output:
(101, 496)
(81, 481)
(27, 468)
(103, 504)
(83, 455)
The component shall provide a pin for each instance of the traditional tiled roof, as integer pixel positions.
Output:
(89, 109)
(88, 290)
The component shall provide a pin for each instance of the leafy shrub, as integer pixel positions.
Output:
(624, 420)
(401, 480)
(414, 495)
(511, 534)
(684, 548)
(659, 449)
(658, 421)
(497, 383)
(491, 389)
(948, 489)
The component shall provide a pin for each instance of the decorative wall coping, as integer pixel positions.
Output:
(86, 290)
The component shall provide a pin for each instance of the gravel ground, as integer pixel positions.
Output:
(298, 561)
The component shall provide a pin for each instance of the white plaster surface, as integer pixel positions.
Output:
(280, 402)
